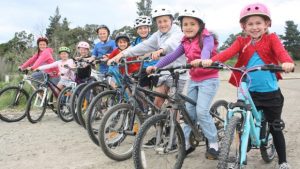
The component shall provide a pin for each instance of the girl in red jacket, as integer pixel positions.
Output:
(257, 48)
(42, 57)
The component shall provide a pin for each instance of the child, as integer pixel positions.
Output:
(66, 74)
(42, 57)
(83, 74)
(257, 48)
(162, 42)
(202, 87)
(143, 28)
(123, 42)
(103, 48)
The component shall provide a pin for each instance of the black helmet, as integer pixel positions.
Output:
(122, 35)
(103, 27)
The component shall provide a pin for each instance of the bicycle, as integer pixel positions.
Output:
(169, 149)
(41, 99)
(14, 98)
(106, 99)
(245, 126)
(121, 122)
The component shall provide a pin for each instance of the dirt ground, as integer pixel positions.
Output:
(53, 144)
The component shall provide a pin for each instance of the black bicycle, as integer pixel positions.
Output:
(169, 149)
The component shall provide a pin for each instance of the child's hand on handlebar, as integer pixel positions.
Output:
(155, 55)
(196, 62)
(288, 67)
(150, 69)
(206, 62)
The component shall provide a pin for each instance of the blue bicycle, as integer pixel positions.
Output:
(245, 126)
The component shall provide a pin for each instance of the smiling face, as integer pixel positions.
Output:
(256, 26)
(42, 45)
(83, 51)
(122, 44)
(64, 55)
(103, 34)
(164, 23)
(190, 27)
(143, 31)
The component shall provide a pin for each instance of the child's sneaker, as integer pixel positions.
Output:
(284, 166)
(211, 154)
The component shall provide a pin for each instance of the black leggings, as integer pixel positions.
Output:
(271, 103)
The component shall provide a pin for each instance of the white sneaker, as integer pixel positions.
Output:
(284, 166)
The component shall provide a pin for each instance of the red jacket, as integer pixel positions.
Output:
(269, 48)
(131, 67)
(45, 57)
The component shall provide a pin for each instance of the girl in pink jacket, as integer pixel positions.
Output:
(42, 57)
(197, 44)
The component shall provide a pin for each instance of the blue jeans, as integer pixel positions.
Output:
(203, 93)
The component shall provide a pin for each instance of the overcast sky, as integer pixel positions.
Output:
(220, 15)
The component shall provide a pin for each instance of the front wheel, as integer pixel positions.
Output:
(230, 145)
(117, 131)
(36, 106)
(161, 154)
(73, 101)
(13, 104)
(96, 110)
(63, 105)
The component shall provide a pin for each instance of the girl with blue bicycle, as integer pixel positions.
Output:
(260, 47)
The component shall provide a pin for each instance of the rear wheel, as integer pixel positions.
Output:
(63, 105)
(13, 104)
(267, 148)
(36, 106)
(219, 111)
(230, 146)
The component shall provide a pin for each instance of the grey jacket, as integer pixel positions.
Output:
(167, 41)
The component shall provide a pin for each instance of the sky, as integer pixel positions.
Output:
(221, 16)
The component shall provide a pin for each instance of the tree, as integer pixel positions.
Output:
(144, 7)
(229, 41)
(54, 23)
(291, 39)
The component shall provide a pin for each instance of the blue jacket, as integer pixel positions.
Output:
(103, 48)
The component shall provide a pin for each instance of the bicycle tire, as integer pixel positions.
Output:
(29, 110)
(73, 101)
(226, 143)
(6, 115)
(81, 107)
(116, 141)
(62, 101)
(138, 153)
(92, 115)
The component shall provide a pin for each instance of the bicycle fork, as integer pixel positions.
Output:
(40, 100)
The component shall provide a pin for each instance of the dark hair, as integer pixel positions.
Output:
(202, 26)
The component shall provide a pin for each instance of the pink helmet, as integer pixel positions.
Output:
(83, 44)
(255, 9)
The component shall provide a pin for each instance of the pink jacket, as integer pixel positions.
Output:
(45, 57)
(64, 72)
(193, 51)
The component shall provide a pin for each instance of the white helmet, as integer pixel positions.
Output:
(162, 11)
(142, 21)
(191, 13)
